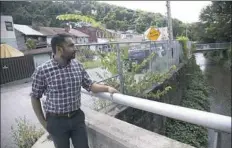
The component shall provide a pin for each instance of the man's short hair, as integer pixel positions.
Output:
(58, 39)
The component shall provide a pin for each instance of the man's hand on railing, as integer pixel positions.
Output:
(96, 88)
(112, 90)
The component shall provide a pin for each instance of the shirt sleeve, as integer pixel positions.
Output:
(38, 84)
(86, 80)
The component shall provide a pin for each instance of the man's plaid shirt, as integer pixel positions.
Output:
(60, 85)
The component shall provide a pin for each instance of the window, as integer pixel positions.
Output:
(9, 26)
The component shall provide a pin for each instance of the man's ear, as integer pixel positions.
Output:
(59, 50)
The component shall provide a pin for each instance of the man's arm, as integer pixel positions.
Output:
(95, 88)
(36, 105)
(89, 85)
(38, 87)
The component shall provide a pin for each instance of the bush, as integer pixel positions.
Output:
(30, 43)
(25, 135)
(183, 41)
(195, 96)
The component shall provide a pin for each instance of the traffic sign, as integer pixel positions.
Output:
(153, 34)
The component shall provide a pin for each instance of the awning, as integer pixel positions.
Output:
(7, 51)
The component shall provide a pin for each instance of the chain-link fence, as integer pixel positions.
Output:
(109, 62)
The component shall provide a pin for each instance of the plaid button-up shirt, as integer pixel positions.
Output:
(60, 85)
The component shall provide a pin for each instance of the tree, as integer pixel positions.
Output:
(215, 23)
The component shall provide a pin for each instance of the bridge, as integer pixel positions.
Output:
(108, 132)
(212, 46)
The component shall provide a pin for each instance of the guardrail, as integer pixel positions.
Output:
(219, 123)
(210, 46)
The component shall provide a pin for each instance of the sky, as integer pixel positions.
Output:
(186, 11)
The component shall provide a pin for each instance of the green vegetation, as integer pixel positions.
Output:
(92, 64)
(30, 44)
(214, 25)
(44, 13)
(132, 85)
(25, 135)
(196, 97)
(183, 41)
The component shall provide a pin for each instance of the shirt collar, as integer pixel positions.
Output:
(57, 64)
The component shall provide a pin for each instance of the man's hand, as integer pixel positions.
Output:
(96, 88)
(112, 90)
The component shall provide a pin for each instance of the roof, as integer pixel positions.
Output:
(7, 51)
(38, 51)
(27, 30)
(50, 31)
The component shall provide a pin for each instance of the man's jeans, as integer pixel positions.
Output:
(62, 129)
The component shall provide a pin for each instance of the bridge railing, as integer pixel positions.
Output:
(219, 123)
(210, 46)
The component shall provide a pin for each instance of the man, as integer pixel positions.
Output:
(60, 79)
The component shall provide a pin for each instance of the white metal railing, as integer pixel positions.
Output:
(210, 46)
(202, 118)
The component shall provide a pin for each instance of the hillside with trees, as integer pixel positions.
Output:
(214, 24)
(114, 17)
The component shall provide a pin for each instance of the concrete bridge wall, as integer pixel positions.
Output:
(108, 132)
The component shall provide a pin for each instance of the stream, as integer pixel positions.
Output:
(219, 79)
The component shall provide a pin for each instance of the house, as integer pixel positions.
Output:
(7, 31)
(125, 35)
(93, 32)
(49, 32)
(112, 34)
(24, 32)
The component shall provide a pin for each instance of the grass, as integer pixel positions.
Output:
(92, 64)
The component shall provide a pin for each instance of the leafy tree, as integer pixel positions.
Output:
(215, 23)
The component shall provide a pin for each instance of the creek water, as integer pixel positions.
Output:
(219, 79)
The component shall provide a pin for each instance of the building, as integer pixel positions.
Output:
(93, 33)
(7, 31)
(24, 32)
(49, 32)
(112, 34)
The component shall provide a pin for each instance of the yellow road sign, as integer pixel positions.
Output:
(153, 34)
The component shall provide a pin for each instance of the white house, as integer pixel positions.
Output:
(7, 31)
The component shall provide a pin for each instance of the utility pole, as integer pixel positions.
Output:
(186, 31)
(170, 32)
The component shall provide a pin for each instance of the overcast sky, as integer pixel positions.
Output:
(186, 11)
